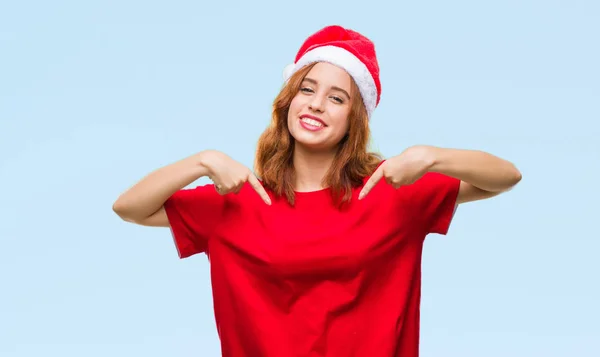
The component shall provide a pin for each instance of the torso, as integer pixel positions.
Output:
(311, 280)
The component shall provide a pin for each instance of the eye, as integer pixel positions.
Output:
(306, 90)
(338, 99)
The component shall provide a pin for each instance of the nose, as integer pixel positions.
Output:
(317, 103)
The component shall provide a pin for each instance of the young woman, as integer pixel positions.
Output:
(321, 256)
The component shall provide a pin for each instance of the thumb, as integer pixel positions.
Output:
(373, 180)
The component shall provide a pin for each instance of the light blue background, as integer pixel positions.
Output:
(94, 95)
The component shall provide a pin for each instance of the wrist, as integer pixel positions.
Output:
(202, 162)
(429, 155)
(439, 159)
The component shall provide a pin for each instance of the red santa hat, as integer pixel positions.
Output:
(346, 49)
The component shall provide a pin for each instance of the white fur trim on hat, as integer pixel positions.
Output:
(345, 60)
(288, 71)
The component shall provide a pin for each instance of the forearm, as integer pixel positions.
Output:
(480, 169)
(149, 194)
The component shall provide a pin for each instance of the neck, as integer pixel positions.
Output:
(310, 168)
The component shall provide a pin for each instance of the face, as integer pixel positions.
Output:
(318, 114)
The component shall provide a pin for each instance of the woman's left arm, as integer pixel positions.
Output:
(482, 175)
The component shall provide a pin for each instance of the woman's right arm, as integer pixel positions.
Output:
(143, 203)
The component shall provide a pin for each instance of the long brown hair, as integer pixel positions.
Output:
(352, 163)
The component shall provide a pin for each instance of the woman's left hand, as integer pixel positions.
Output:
(403, 169)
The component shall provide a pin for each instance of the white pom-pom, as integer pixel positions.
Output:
(288, 71)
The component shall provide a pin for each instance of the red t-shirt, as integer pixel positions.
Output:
(311, 280)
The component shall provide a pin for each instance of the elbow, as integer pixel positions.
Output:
(515, 176)
(518, 177)
(120, 208)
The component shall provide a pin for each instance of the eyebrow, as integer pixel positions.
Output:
(333, 87)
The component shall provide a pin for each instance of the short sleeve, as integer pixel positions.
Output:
(193, 216)
(434, 196)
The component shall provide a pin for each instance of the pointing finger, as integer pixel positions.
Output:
(377, 175)
(253, 181)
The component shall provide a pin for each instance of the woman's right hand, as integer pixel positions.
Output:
(229, 176)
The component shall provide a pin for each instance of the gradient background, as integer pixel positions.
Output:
(96, 94)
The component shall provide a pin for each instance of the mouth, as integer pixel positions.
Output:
(311, 123)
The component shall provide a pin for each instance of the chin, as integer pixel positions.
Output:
(313, 141)
(314, 145)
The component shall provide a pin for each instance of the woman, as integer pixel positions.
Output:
(321, 257)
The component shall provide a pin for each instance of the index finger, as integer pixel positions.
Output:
(371, 182)
(253, 181)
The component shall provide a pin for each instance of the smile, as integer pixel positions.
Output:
(311, 123)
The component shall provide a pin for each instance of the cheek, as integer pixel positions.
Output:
(291, 109)
(296, 102)
(343, 119)
(346, 127)
(294, 107)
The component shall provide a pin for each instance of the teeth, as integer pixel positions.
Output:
(311, 122)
